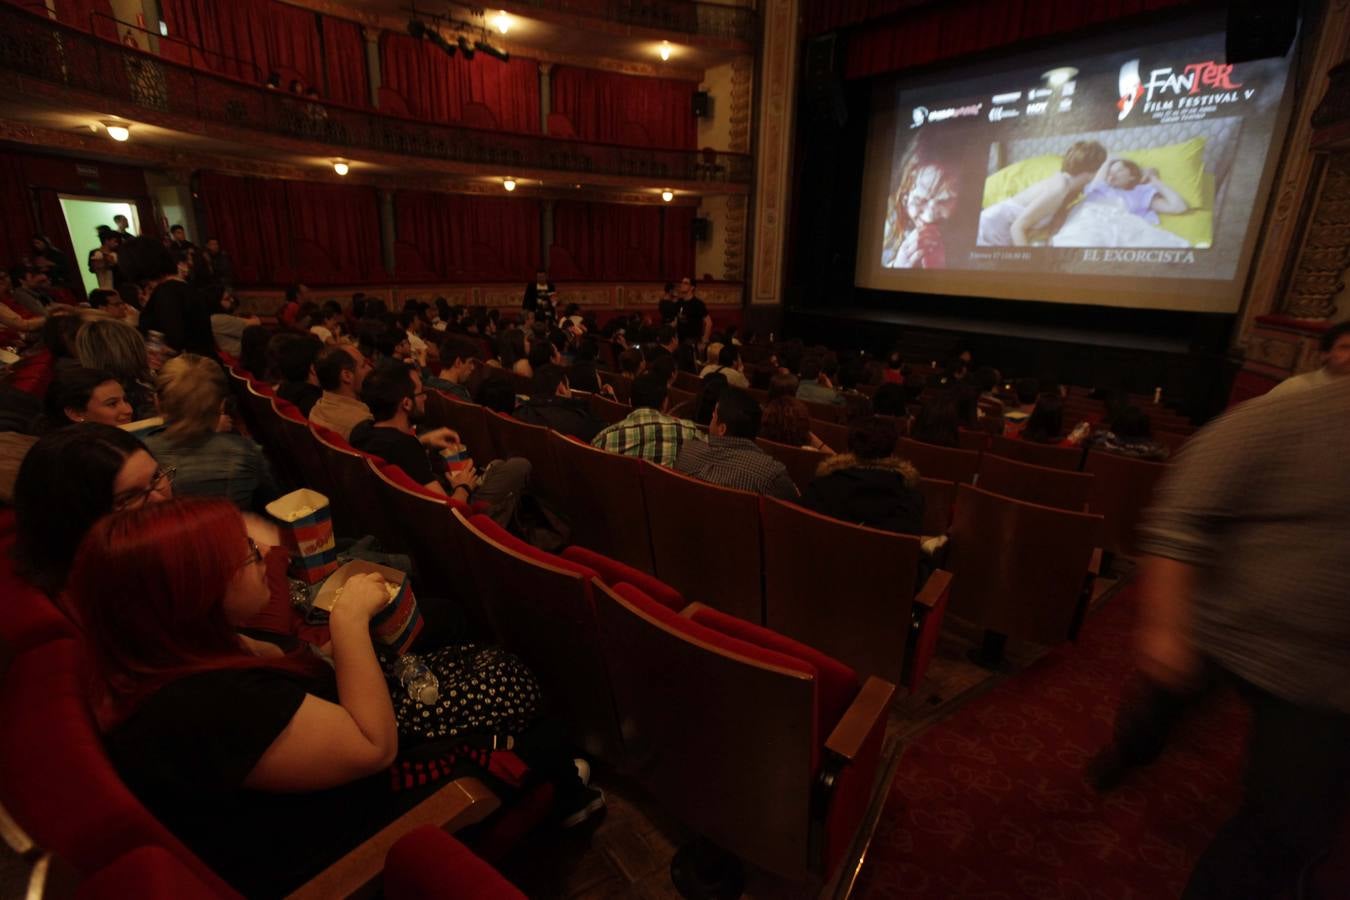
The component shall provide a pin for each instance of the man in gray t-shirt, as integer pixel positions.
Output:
(1245, 580)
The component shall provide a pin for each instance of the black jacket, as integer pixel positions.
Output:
(565, 415)
(878, 493)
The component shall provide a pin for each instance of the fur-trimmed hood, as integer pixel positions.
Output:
(894, 464)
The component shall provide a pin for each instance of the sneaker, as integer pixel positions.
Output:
(589, 802)
(583, 770)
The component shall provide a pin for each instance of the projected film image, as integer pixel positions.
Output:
(1139, 161)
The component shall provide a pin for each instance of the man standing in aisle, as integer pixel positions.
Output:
(693, 322)
(539, 297)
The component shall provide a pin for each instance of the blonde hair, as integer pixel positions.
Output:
(114, 346)
(191, 390)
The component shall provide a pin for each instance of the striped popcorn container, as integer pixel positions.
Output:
(306, 525)
(399, 623)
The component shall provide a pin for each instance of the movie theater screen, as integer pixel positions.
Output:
(1124, 177)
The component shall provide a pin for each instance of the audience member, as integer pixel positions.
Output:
(630, 363)
(103, 258)
(870, 485)
(289, 315)
(700, 409)
(497, 394)
(786, 420)
(782, 384)
(648, 432)
(693, 322)
(730, 457)
(1014, 420)
(210, 461)
(341, 372)
(729, 363)
(227, 326)
(543, 353)
(327, 325)
(78, 394)
(938, 422)
(539, 296)
(458, 357)
(110, 303)
(117, 348)
(49, 261)
(1130, 434)
(28, 283)
(17, 318)
(686, 357)
(1335, 347)
(1046, 424)
(410, 320)
(394, 394)
(178, 238)
(891, 374)
(889, 400)
(213, 266)
(253, 345)
(552, 405)
(295, 355)
(174, 309)
(815, 386)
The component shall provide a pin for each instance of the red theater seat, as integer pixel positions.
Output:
(605, 501)
(1059, 488)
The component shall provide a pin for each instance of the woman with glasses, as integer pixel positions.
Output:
(269, 766)
(211, 460)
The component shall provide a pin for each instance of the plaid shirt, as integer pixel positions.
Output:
(648, 434)
(736, 463)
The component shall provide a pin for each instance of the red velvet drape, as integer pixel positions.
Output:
(940, 31)
(95, 15)
(344, 53)
(626, 109)
(17, 224)
(620, 242)
(249, 39)
(482, 93)
(466, 238)
(282, 231)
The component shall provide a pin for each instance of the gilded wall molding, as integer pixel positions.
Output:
(733, 250)
(1319, 271)
(778, 79)
(741, 113)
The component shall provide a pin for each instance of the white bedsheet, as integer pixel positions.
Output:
(1095, 223)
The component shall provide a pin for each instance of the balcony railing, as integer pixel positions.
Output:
(35, 47)
(716, 20)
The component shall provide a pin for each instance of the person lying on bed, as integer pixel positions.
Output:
(1140, 191)
(1043, 205)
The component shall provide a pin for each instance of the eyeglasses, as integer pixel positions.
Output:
(162, 478)
(255, 554)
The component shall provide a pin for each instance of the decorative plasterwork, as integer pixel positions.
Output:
(1319, 271)
(778, 78)
(742, 84)
(733, 249)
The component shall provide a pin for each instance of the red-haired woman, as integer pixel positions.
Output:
(260, 762)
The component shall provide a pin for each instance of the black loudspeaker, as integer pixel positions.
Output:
(1260, 29)
(702, 229)
(702, 104)
(823, 89)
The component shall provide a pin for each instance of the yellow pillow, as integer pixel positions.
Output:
(1182, 166)
(1011, 180)
(1195, 225)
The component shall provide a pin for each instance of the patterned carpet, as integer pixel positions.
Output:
(990, 805)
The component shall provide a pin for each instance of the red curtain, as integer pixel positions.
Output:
(249, 39)
(466, 238)
(17, 225)
(344, 52)
(483, 92)
(95, 15)
(614, 242)
(626, 109)
(677, 243)
(282, 231)
(941, 31)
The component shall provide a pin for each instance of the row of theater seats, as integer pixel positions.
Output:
(763, 744)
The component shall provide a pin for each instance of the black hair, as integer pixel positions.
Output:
(58, 334)
(131, 294)
(663, 365)
(686, 357)
(292, 292)
(330, 365)
(1027, 389)
(810, 367)
(872, 437)
(649, 391)
(295, 355)
(1046, 423)
(588, 348)
(984, 379)
(630, 361)
(145, 259)
(584, 377)
(851, 372)
(253, 342)
(497, 394)
(64, 486)
(546, 380)
(665, 334)
(713, 388)
(173, 228)
(330, 309)
(1131, 423)
(457, 347)
(937, 421)
(889, 400)
(541, 354)
(99, 297)
(739, 412)
(71, 388)
(1332, 335)
(386, 388)
(728, 355)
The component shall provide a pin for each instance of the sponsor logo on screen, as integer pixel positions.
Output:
(922, 114)
(1196, 84)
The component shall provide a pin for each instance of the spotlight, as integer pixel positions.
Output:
(492, 51)
(465, 47)
(509, 184)
(667, 196)
(340, 166)
(439, 40)
(118, 131)
(417, 28)
(665, 51)
(502, 22)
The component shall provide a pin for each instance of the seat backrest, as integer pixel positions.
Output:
(827, 412)
(1018, 568)
(516, 438)
(678, 397)
(255, 403)
(832, 433)
(944, 463)
(1122, 489)
(55, 779)
(688, 381)
(605, 500)
(300, 456)
(1049, 455)
(972, 440)
(801, 462)
(355, 498)
(540, 607)
(844, 589)
(608, 410)
(705, 541)
(1035, 484)
(939, 501)
(719, 732)
(622, 384)
(469, 421)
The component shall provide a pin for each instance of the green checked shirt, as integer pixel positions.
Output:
(648, 434)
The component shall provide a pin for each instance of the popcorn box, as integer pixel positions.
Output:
(399, 623)
(456, 457)
(306, 526)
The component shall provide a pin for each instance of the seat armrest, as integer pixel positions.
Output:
(1095, 564)
(689, 611)
(459, 804)
(937, 584)
(871, 704)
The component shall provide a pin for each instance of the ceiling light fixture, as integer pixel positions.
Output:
(501, 21)
(340, 166)
(667, 196)
(118, 131)
(665, 51)
(509, 184)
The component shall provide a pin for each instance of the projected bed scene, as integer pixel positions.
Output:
(1158, 186)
